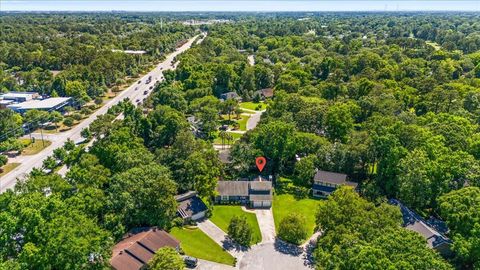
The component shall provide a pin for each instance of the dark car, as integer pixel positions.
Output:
(140, 81)
(151, 87)
(145, 92)
(224, 127)
(190, 261)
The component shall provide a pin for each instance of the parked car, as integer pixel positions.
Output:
(140, 81)
(223, 127)
(136, 88)
(151, 87)
(145, 92)
(190, 261)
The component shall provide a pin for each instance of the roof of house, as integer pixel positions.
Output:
(232, 188)
(138, 247)
(333, 178)
(189, 204)
(230, 95)
(261, 185)
(267, 92)
(260, 197)
(414, 222)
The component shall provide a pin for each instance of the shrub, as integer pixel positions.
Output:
(3, 160)
(166, 258)
(240, 231)
(292, 229)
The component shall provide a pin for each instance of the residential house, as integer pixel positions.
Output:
(139, 246)
(324, 183)
(435, 239)
(230, 95)
(190, 206)
(265, 93)
(255, 194)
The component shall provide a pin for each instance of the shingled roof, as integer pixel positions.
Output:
(139, 246)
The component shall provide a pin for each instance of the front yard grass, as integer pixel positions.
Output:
(222, 214)
(197, 244)
(253, 106)
(285, 203)
(8, 168)
(32, 148)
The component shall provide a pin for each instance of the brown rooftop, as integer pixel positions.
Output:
(333, 178)
(134, 251)
(232, 188)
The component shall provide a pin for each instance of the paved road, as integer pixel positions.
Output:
(9, 180)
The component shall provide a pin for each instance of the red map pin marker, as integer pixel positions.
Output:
(260, 161)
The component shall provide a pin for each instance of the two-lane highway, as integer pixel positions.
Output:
(134, 92)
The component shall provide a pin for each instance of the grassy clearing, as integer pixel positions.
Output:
(253, 106)
(285, 202)
(35, 147)
(8, 168)
(222, 214)
(197, 244)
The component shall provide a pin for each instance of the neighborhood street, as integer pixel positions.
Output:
(135, 91)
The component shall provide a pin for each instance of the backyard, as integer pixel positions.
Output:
(222, 214)
(197, 244)
(286, 202)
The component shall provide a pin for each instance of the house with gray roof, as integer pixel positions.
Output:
(255, 194)
(190, 207)
(230, 95)
(435, 239)
(324, 183)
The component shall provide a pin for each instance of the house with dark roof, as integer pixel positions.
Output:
(435, 239)
(230, 95)
(190, 206)
(137, 248)
(265, 93)
(324, 183)
(255, 194)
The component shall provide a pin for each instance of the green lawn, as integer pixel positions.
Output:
(33, 148)
(222, 214)
(8, 168)
(285, 203)
(243, 122)
(253, 106)
(235, 136)
(197, 244)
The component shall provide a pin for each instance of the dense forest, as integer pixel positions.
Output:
(392, 101)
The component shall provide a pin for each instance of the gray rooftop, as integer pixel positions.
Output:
(232, 188)
(331, 177)
(40, 104)
(261, 185)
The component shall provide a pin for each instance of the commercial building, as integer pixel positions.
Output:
(324, 183)
(48, 104)
(139, 246)
(19, 96)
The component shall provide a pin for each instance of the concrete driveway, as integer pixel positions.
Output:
(266, 224)
(208, 265)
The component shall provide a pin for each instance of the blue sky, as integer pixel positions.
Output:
(235, 5)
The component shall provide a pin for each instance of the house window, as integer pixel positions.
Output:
(224, 198)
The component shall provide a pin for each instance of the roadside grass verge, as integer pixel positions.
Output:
(32, 148)
(8, 168)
